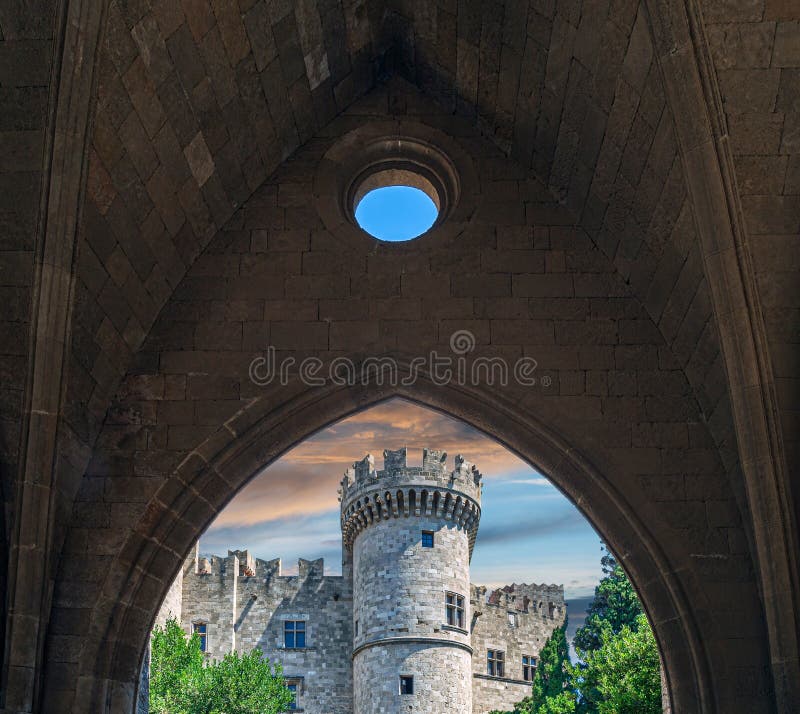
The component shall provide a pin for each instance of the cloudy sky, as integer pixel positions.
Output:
(529, 531)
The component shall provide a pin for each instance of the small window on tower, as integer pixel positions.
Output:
(427, 539)
(454, 609)
(201, 630)
(406, 684)
(512, 619)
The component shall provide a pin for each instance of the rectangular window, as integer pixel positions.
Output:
(356, 628)
(427, 539)
(293, 685)
(201, 630)
(512, 619)
(454, 609)
(406, 684)
(528, 667)
(294, 634)
(496, 663)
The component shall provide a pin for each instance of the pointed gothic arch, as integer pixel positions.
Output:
(206, 480)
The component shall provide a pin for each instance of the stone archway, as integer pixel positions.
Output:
(210, 476)
(674, 34)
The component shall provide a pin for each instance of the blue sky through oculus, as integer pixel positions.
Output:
(396, 213)
(529, 531)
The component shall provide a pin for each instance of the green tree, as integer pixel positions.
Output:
(621, 670)
(615, 605)
(245, 684)
(552, 676)
(182, 682)
(562, 703)
(176, 668)
(552, 684)
(623, 674)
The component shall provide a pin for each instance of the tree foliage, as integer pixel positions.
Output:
(620, 671)
(552, 676)
(623, 675)
(182, 682)
(615, 605)
(176, 668)
(551, 690)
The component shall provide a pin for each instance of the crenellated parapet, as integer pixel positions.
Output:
(368, 495)
(243, 564)
(545, 601)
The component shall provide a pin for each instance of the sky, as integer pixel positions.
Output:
(529, 531)
(396, 213)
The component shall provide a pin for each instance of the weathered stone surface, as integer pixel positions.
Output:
(561, 86)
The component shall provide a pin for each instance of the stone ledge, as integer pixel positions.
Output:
(453, 628)
(507, 680)
(439, 641)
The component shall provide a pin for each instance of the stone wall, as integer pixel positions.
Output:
(536, 611)
(245, 602)
(172, 606)
(399, 594)
(575, 89)
(439, 683)
(173, 602)
(524, 280)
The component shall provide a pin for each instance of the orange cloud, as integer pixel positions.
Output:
(305, 480)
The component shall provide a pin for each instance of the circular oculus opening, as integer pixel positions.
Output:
(396, 205)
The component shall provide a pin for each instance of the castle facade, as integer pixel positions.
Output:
(403, 628)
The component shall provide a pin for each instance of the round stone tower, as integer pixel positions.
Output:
(409, 534)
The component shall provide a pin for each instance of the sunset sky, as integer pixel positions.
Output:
(529, 531)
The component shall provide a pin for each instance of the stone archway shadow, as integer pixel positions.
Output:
(284, 416)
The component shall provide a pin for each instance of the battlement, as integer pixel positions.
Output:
(544, 600)
(396, 472)
(243, 564)
(400, 491)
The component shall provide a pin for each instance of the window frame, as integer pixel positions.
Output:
(406, 679)
(294, 631)
(202, 636)
(297, 683)
(431, 536)
(456, 610)
(496, 663)
(528, 667)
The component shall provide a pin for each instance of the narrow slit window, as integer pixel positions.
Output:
(201, 630)
(294, 687)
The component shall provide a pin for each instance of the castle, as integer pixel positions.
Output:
(403, 628)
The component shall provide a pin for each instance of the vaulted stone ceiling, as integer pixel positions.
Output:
(199, 101)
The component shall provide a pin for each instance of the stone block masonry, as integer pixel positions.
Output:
(246, 602)
(402, 629)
